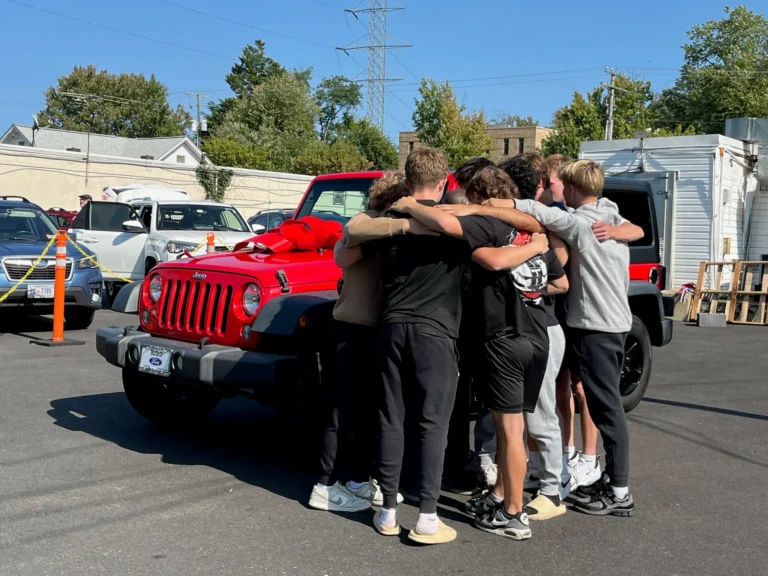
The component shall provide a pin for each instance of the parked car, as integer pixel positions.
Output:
(61, 217)
(130, 239)
(256, 322)
(265, 220)
(25, 230)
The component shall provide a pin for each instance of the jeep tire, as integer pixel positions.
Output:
(78, 317)
(636, 371)
(165, 402)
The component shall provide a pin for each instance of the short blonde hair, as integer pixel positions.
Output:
(555, 161)
(425, 168)
(586, 176)
(387, 190)
(491, 182)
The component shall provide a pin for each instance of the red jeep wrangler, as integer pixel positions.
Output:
(255, 322)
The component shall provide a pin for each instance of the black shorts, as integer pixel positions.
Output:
(512, 372)
(571, 360)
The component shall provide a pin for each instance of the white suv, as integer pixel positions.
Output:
(130, 239)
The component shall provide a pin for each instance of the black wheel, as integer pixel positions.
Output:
(165, 402)
(636, 372)
(78, 317)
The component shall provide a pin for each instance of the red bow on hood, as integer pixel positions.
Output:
(305, 234)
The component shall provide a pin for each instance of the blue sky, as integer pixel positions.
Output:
(513, 56)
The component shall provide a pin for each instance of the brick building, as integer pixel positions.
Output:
(506, 142)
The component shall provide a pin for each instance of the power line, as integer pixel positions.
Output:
(405, 68)
(263, 30)
(133, 34)
(511, 83)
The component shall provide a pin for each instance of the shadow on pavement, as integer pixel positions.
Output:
(239, 439)
(704, 408)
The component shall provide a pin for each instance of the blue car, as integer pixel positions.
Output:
(25, 230)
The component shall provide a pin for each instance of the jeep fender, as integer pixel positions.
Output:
(646, 303)
(127, 299)
(281, 316)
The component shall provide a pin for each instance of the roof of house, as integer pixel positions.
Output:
(100, 144)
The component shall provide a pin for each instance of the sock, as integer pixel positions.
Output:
(323, 488)
(554, 499)
(485, 459)
(496, 499)
(534, 461)
(356, 485)
(387, 517)
(620, 491)
(571, 452)
(589, 459)
(427, 524)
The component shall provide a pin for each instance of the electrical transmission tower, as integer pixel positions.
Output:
(377, 55)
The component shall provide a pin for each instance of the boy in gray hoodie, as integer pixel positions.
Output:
(598, 320)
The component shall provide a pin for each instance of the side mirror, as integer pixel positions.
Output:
(133, 226)
(258, 228)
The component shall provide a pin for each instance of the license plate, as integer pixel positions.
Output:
(42, 291)
(155, 360)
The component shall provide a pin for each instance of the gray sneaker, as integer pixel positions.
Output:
(605, 503)
(498, 522)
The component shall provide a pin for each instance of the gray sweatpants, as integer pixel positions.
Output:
(543, 423)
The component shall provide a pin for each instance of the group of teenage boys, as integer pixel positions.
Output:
(514, 286)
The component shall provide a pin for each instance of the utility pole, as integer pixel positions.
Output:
(198, 124)
(377, 56)
(611, 94)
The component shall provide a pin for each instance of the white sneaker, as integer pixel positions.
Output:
(584, 473)
(532, 481)
(372, 492)
(337, 499)
(490, 473)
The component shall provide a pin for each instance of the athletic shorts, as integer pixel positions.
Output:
(571, 359)
(512, 371)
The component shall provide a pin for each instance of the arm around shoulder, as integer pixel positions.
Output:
(370, 226)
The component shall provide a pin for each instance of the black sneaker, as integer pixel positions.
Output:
(605, 503)
(498, 522)
(584, 494)
(480, 505)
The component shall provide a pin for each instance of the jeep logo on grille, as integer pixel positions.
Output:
(198, 276)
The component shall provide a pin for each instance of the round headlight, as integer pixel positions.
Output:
(155, 288)
(251, 299)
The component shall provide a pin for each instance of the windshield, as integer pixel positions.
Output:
(337, 200)
(25, 224)
(197, 217)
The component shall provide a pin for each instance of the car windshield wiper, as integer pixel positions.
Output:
(22, 239)
(228, 228)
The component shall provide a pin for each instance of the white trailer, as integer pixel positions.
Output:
(707, 199)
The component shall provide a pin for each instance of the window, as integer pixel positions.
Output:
(105, 216)
(199, 217)
(321, 199)
(506, 146)
(19, 224)
(21, 143)
(520, 145)
(338, 198)
(180, 159)
(635, 207)
(410, 146)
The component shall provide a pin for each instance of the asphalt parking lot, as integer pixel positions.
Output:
(88, 487)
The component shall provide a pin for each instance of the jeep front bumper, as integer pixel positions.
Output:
(221, 367)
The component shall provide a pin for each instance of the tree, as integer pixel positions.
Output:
(321, 158)
(723, 75)
(214, 181)
(585, 118)
(252, 69)
(502, 119)
(441, 123)
(336, 97)
(224, 152)
(370, 142)
(117, 104)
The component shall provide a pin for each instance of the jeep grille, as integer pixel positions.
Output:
(195, 307)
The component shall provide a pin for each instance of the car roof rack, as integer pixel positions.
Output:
(13, 196)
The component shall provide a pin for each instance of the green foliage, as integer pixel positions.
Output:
(442, 123)
(225, 152)
(723, 75)
(252, 69)
(214, 181)
(128, 105)
(321, 158)
(336, 97)
(370, 142)
(502, 119)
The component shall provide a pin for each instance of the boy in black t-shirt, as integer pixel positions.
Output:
(512, 272)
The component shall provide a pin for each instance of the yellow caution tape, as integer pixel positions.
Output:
(227, 246)
(96, 262)
(29, 272)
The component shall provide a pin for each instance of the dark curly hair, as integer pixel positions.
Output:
(524, 176)
(467, 171)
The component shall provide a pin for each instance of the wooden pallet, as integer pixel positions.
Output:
(737, 300)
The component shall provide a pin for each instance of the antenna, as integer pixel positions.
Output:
(377, 55)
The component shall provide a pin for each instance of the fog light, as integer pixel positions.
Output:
(145, 316)
(247, 332)
(133, 354)
(177, 362)
(95, 297)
